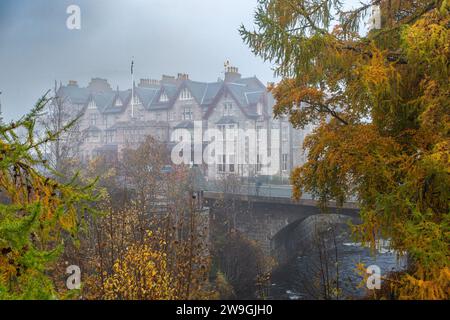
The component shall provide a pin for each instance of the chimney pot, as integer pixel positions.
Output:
(232, 74)
(182, 76)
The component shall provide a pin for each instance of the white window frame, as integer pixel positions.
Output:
(185, 94)
(188, 113)
(93, 117)
(228, 109)
(284, 133)
(163, 97)
(259, 109)
(92, 105)
(284, 162)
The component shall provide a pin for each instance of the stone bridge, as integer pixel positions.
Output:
(272, 219)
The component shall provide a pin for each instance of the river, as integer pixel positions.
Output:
(302, 278)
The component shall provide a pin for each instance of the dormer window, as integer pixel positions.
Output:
(136, 100)
(92, 105)
(185, 94)
(118, 103)
(163, 97)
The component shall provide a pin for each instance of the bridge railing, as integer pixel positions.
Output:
(264, 190)
(251, 189)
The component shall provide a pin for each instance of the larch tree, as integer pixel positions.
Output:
(38, 215)
(380, 105)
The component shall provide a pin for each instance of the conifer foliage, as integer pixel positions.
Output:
(380, 103)
(37, 213)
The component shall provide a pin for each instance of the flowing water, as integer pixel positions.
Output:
(301, 278)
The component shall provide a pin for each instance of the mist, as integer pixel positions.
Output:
(163, 36)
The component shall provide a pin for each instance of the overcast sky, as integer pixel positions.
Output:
(164, 36)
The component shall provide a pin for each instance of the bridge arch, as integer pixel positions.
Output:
(267, 219)
(299, 236)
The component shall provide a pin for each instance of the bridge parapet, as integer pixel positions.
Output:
(275, 200)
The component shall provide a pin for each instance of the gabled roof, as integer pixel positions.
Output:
(246, 92)
(111, 107)
(210, 92)
(103, 100)
(146, 95)
(76, 94)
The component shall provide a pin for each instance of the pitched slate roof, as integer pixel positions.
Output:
(247, 92)
(103, 100)
(76, 94)
(146, 95)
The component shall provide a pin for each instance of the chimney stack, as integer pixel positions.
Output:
(169, 79)
(232, 74)
(148, 82)
(73, 83)
(99, 85)
(183, 76)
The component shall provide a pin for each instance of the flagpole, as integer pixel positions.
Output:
(132, 88)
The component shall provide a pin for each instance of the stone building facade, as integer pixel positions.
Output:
(172, 107)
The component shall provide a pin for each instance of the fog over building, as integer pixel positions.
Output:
(170, 107)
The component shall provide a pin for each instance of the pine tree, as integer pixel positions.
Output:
(380, 103)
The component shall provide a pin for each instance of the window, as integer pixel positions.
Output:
(160, 133)
(228, 109)
(258, 163)
(136, 100)
(284, 162)
(93, 119)
(284, 133)
(105, 120)
(92, 105)
(118, 102)
(259, 109)
(109, 136)
(163, 97)
(222, 163)
(172, 115)
(259, 133)
(185, 94)
(187, 113)
(158, 116)
(94, 136)
(247, 150)
(231, 165)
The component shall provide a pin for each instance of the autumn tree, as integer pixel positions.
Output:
(380, 103)
(147, 212)
(38, 215)
(141, 274)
